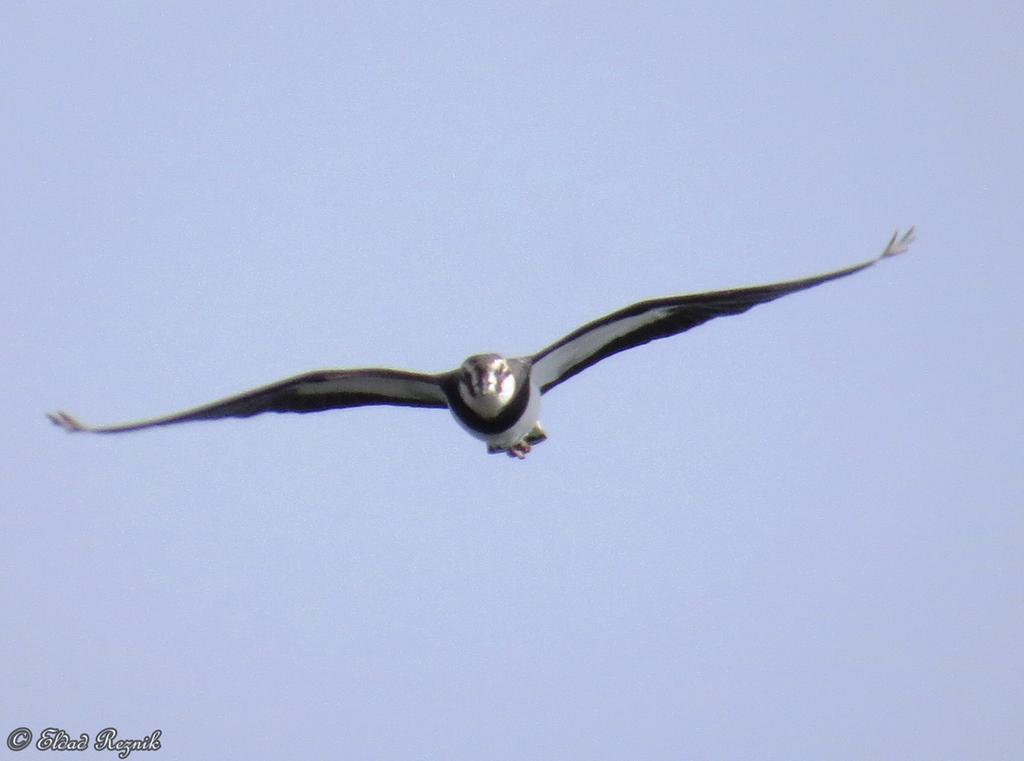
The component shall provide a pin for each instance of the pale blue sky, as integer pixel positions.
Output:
(793, 534)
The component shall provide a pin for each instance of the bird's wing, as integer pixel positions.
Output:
(310, 392)
(659, 318)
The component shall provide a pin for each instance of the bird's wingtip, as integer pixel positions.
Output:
(66, 421)
(899, 243)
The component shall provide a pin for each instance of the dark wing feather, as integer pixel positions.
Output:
(659, 318)
(310, 392)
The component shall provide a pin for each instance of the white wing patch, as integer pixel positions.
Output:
(553, 365)
(378, 385)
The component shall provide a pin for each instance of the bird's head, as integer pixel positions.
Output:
(486, 375)
(486, 383)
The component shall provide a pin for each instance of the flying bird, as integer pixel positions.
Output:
(495, 398)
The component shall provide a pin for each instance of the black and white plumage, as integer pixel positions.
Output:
(496, 399)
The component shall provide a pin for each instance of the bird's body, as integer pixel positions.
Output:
(494, 398)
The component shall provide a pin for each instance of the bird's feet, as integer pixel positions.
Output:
(519, 451)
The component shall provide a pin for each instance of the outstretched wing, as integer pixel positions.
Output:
(659, 318)
(310, 392)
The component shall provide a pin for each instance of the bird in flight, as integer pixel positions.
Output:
(495, 398)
